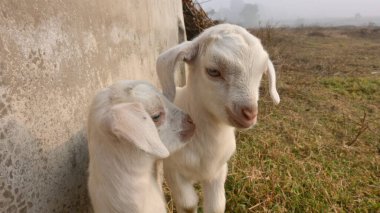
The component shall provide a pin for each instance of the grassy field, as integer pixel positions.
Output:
(319, 150)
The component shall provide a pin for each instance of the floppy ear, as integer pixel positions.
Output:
(130, 122)
(167, 63)
(272, 83)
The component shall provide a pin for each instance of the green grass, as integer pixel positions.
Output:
(356, 87)
(319, 150)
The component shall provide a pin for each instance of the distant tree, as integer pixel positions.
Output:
(371, 24)
(299, 22)
(358, 16)
(249, 15)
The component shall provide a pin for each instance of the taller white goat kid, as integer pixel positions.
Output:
(226, 64)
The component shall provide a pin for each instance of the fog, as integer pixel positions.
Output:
(252, 13)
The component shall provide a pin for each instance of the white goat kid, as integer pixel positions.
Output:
(226, 64)
(131, 126)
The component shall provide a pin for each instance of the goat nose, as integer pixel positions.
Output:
(189, 120)
(249, 113)
(188, 128)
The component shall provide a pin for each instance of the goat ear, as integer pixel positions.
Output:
(167, 63)
(130, 122)
(272, 83)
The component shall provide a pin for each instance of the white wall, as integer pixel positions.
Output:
(54, 56)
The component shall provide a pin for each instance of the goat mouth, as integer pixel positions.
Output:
(239, 123)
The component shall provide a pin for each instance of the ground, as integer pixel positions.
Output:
(319, 149)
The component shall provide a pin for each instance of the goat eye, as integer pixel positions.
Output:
(156, 117)
(213, 73)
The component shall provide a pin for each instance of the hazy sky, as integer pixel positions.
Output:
(292, 9)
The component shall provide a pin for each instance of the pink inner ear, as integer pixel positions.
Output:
(131, 123)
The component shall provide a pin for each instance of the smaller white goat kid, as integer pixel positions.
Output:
(132, 126)
(226, 64)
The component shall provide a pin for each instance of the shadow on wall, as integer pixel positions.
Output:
(30, 172)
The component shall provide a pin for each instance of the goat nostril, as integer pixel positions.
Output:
(188, 128)
(189, 120)
(248, 113)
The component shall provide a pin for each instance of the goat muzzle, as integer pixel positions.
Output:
(245, 117)
(188, 128)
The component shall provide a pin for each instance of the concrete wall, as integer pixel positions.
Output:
(54, 56)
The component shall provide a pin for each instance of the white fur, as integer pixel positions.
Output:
(126, 146)
(216, 104)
